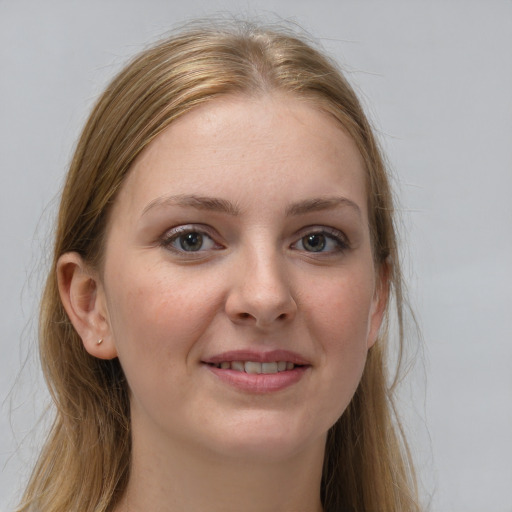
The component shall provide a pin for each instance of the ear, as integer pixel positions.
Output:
(379, 302)
(83, 298)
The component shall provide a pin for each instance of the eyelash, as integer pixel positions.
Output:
(329, 235)
(333, 235)
(174, 236)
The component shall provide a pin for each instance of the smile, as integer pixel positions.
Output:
(255, 367)
(257, 372)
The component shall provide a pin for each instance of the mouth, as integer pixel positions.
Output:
(255, 367)
(258, 372)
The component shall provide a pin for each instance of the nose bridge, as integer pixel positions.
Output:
(262, 290)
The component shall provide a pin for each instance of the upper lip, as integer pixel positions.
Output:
(258, 356)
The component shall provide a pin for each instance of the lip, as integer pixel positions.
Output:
(258, 383)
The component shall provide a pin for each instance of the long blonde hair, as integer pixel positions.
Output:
(85, 463)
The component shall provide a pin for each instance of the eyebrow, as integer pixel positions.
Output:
(224, 206)
(321, 203)
(198, 202)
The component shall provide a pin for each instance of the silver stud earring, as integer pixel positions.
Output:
(99, 342)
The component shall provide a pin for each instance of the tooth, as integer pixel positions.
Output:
(225, 365)
(281, 366)
(289, 365)
(268, 367)
(238, 366)
(252, 367)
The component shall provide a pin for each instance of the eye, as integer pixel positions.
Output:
(316, 242)
(188, 239)
(192, 241)
(322, 242)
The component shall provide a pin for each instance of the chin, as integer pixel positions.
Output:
(259, 439)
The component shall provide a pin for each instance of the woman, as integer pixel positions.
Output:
(213, 331)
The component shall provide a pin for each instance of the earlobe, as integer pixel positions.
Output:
(379, 303)
(83, 298)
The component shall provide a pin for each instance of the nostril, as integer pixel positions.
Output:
(282, 316)
(244, 315)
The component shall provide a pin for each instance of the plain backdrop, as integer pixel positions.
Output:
(436, 79)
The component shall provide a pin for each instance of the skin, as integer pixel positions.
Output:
(282, 171)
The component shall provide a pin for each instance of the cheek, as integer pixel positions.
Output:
(157, 314)
(339, 317)
(158, 318)
(341, 306)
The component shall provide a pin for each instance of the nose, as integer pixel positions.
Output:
(261, 292)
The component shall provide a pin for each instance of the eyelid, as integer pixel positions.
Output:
(338, 236)
(174, 233)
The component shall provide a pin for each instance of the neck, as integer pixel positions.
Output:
(172, 478)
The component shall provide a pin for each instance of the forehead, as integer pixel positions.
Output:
(242, 146)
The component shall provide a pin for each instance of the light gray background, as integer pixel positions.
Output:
(436, 77)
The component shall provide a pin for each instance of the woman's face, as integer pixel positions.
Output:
(239, 243)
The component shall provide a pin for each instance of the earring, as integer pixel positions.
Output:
(99, 342)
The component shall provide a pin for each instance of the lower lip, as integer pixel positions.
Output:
(259, 383)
